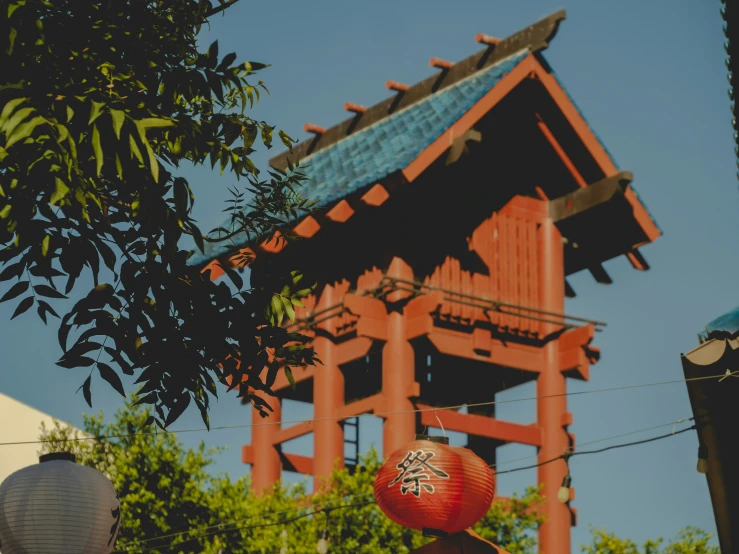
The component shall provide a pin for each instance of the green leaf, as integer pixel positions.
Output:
(97, 149)
(12, 8)
(277, 309)
(135, 149)
(45, 245)
(95, 110)
(5, 212)
(107, 373)
(228, 59)
(289, 310)
(290, 376)
(8, 109)
(118, 119)
(70, 113)
(86, 391)
(197, 237)
(15, 291)
(23, 131)
(60, 191)
(45, 290)
(11, 271)
(23, 307)
(118, 166)
(155, 122)
(180, 197)
(16, 120)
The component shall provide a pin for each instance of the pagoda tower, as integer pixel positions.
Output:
(450, 216)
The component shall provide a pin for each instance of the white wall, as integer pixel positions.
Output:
(19, 423)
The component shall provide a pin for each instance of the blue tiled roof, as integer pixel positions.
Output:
(391, 144)
(724, 326)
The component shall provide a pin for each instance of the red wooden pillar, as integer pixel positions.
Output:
(398, 371)
(265, 471)
(328, 395)
(554, 534)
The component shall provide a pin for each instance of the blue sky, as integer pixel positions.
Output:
(650, 77)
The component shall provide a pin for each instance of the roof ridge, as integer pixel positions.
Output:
(428, 98)
(535, 37)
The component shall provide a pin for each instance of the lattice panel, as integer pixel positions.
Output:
(508, 247)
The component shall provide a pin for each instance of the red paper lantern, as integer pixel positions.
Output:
(433, 487)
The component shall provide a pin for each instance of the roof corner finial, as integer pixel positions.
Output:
(438, 63)
(396, 86)
(315, 129)
(482, 38)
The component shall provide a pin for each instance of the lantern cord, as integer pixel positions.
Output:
(374, 414)
(436, 413)
(218, 529)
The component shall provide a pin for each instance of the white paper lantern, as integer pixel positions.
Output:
(58, 507)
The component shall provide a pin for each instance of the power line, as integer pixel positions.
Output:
(213, 529)
(374, 414)
(672, 424)
(612, 447)
(258, 526)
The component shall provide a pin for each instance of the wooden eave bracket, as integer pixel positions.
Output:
(589, 197)
(509, 354)
(459, 145)
(341, 212)
(372, 314)
(418, 314)
(575, 353)
(376, 196)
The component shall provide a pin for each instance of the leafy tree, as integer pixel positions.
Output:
(690, 540)
(100, 104)
(166, 489)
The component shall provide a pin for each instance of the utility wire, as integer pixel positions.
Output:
(258, 526)
(582, 452)
(672, 424)
(216, 529)
(374, 414)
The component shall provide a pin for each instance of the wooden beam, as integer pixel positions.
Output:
(293, 432)
(376, 196)
(600, 274)
(340, 212)
(353, 349)
(469, 119)
(297, 463)
(524, 207)
(438, 63)
(307, 228)
(396, 86)
(482, 38)
(637, 260)
(596, 149)
(315, 129)
(481, 426)
(511, 354)
(557, 147)
(354, 108)
(367, 405)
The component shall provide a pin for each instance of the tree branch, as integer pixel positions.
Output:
(220, 8)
